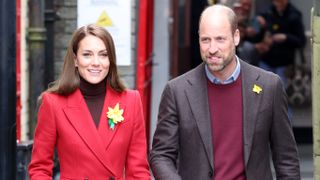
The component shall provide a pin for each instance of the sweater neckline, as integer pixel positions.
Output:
(92, 90)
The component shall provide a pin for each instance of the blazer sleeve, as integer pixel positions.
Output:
(40, 167)
(137, 164)
(283, 145)
(164, 153)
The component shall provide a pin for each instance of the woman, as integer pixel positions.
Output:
(95, 123)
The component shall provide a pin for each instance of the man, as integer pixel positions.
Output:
(286, 33)
(250, 32)
(221, 119)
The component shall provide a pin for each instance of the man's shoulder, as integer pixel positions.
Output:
(256, 71)
(294, 9)
(293, 14)
(190, 76)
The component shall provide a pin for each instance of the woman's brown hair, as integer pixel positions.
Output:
(69, 79)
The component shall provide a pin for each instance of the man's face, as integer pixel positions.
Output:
(218, 43)
(246, 6)
(280, 4)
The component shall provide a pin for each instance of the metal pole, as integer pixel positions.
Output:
(50, 18)
(18, 69)
(315, 41)
(36, 42)
(145, 57)
(7, 89)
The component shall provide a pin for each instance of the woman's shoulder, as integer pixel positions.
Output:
(130, 93)
(52, 97)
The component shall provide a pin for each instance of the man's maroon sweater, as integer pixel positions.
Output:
(225, 101)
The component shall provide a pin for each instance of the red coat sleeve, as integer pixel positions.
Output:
(41, 163)
(137, 165)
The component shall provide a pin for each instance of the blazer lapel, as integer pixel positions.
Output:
(106, 133)
(197, 96)
(79, 116)
(251, 103)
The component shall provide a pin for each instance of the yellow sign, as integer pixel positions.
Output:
(104, 20)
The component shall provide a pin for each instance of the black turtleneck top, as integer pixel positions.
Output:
(94, 95)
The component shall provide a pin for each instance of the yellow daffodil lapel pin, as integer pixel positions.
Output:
(114, 116)
(257, 89)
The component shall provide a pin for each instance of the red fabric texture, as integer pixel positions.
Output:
(225, 101)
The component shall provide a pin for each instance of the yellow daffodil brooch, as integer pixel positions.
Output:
(114, 116)
(257, 89)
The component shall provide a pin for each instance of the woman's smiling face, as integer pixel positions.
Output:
(92, 59)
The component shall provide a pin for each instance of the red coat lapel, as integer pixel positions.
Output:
(80, 118)
(107, 134)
